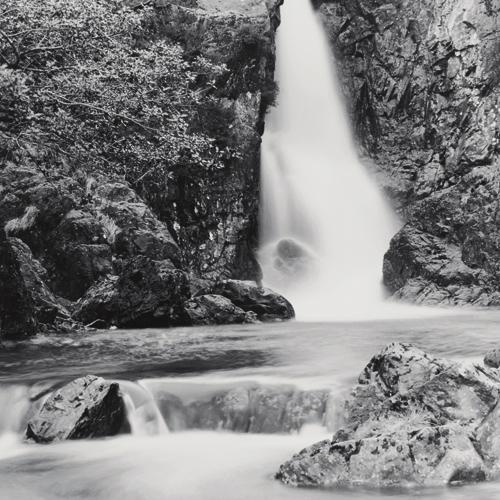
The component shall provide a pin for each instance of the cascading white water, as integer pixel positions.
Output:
(324, 225)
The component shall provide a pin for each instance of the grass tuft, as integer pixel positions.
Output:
(23, 223)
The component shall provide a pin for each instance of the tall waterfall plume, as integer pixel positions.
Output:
(324, 224)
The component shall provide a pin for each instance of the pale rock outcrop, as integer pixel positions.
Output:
(412, 419)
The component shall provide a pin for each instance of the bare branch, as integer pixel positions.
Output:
(66, 102)
(40, 49)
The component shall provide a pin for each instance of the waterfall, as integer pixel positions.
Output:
(324, 225)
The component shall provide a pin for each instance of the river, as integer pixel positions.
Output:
(154, 463)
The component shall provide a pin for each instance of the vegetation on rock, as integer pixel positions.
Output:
(86, 87)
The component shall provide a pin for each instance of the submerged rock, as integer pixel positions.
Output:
(147, 293)
(249, 296)
(291, 259)
(412, 418)
(88, 407)
(253, 409)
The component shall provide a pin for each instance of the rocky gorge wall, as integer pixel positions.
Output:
(421, 82)
(214, 219)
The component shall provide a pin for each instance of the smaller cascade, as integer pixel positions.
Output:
(14, 408)
(143, 414)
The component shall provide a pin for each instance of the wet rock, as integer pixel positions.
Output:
(412, 418)
(429, 456)
(291, 258)
(17, 309)
(268, 305)
(147, 294)
(269, 410)
(211, 310)
(229, 410)
(173, 411)
(492, 357)
(88, 407)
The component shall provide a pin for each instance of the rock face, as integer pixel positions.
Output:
(147, 294)
(412, 418)
(88, 407)
(249, 296)
(421, 82)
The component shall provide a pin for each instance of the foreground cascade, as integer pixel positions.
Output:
(412, 419)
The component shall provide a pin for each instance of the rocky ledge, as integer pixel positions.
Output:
(412, 419)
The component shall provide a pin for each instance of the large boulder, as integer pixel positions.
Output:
(429, 456)
(403, 379)
(17, 309)
(88, 407)
(249, 296)
(147, 293)
(130, 226)
(211, 310)
(412, 418)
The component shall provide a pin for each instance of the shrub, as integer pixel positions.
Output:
(82, 86)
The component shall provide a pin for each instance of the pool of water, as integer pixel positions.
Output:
(207, 464)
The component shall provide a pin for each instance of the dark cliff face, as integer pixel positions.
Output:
(421, 80)
(214, 218)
